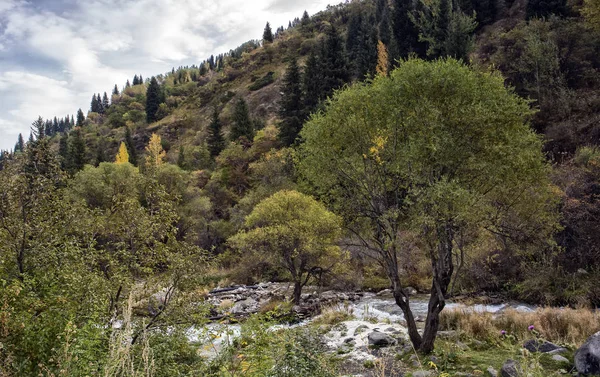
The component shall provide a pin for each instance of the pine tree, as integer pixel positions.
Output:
(76, 151)
(305, 19)
(20, 146)
(268, 34)
(80, 118)
(115, 91)
(49, 128)
(311, 83)
(95, 105)
(242, 124)
(153, 100)
(141, 80)
(136, 80)
(405, 33)
(291, 106)
(38, 129)
(333, 63)
(100, 155)
(105, 102)
(131, 152)
(361, 45)
(72, 124)
(63, 151)
(215, 140)
(127, 84)
(122, 156)
(181, 157)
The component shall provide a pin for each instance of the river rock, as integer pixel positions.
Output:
(380, 339)
(492, 372)
(246, 306)
(533, 345)
(385, 292)
(587, 357)
(510, 369)
(410, 291)
(560, 359)
(360, 329)
(422, 373)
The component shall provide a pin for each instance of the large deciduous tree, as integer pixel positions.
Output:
(436, 149)
(296, 232)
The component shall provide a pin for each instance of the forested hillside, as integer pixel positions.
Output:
(192, 179)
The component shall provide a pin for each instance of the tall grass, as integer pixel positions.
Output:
(565, 326)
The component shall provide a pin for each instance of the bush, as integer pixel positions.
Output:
(267, 79)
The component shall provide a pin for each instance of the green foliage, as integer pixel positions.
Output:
(295, 232)
(154, 98)
(291, 109)
(267, 34)
(435, 148)
(242, 124)
(267, 79)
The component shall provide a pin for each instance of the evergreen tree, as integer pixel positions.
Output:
(333, 64)
(141, 80)
(268, 34)
(61, 127)
(49, 128)
(215, 140)
(72, 124)
(211, 62)
(105, 102)
(55, 124)
(242, 124)
(77, 158)
(95, 105)
(291, 106)
(100, 154)
(305, 19)
(63, 151)
(80, 118)
(361, 45)
(20, 146)
(136, 80)
(181, 157)
(115, 91)
(153, 100)
(311, 83)
(131, 152)
(406, 35)
(38, 129)
(127, 84)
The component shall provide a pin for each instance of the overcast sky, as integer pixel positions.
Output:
(54, 54)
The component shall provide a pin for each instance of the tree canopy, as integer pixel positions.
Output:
(436, 148)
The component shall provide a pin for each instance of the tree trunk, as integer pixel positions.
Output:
(297, 292)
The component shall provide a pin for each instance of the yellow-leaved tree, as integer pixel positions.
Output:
(382, 59)
(156, 153)
(122, 155)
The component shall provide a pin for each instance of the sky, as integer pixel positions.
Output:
(54, 54)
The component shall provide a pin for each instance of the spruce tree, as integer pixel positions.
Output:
(181, 157)
(333, 63)
(80, 118)
(268, 34)
(76, 151)
(153, 100)
(215, 140)
(100, 153)
(105, 102)
(63, 151)
(132, 154)
(311, 83)
(127, 84)
(49, 128)
(242, 124)
(405, 33)
(141, 80)
(72, 124)
(20, 146)
(38, 129)
(291, 106)
(305, 19)
(136, 80)
(115, 91)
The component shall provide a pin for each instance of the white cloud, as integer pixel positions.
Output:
(90, 45)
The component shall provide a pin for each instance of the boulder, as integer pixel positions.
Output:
(510, 369)
(587, 357)
(410, 291)
(380, 339)
(246, 306)
(492, 372)
(534, 345)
